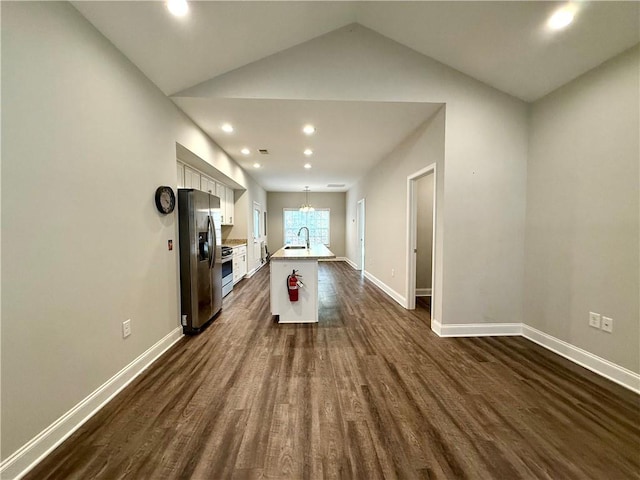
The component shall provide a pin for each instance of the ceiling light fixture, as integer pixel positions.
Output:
(309, 129)
(308, 152)
(307, 166)
(256, 165)
(306, 206)
(179, 8)
(226, 127)
(561, 18)
(245, 151)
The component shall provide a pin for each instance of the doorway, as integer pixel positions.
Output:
(360, 219)
(257, 237)
(421, 210)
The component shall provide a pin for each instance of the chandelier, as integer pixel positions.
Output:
(306, 206)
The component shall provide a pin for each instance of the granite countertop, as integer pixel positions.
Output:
(316, 252)
(234, 242)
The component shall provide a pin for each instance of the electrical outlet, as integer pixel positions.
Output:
(594, 320)
(126, 328)
(393, 272)
(607, 324)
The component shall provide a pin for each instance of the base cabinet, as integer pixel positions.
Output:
(305, 309)
(239, 263)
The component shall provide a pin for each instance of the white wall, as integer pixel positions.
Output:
(86, 139)
(254, 194)
(424, 230)
(483, 178)
(384, 189)
(583, 211)
(277, 201)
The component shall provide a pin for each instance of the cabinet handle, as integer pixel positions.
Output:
(230, 219)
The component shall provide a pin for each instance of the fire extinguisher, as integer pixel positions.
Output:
(293, 285)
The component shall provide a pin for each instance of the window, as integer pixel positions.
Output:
(317, 222)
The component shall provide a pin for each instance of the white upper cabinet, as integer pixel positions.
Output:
(208, 185)
(221, 191)
(230, 205)
(191, 178)
(180, 175)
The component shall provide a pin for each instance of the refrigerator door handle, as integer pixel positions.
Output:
(212, 250)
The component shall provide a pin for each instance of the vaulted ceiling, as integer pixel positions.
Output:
(506, 45)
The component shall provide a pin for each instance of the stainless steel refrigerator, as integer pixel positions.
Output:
(200, 258)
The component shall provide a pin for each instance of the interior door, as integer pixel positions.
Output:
(360, 233)
(256, 232)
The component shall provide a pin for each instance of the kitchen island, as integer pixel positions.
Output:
(305, 262)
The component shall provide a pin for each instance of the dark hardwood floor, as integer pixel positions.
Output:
(369, 392)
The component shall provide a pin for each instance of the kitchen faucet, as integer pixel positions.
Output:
(304, 228)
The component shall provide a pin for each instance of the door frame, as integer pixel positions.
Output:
(257, 240)
(360, 228)
(412, 236)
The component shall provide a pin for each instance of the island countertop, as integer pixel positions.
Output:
(316, 252)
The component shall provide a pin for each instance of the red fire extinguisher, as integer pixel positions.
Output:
(293, 285)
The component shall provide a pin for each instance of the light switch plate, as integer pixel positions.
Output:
(126, 328)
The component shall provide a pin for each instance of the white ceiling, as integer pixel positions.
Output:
(503, 44)
(343, 145)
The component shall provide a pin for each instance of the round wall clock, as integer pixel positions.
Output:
(165, 199)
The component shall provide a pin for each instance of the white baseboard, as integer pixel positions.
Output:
(351, 264)
(30, 454)
(436, 327)
(478, 329)
(599, 365)
(423, 292)
(605, 368)
(386, 289)
(253, 272)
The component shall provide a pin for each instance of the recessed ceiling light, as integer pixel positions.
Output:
(307, 166)
(256, 165)
(226, 127)
(179, 8)
(561, 18)
(308, 152)
(309, 129)
(245, 151)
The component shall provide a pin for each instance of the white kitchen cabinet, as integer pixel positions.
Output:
(226, 203)
(305, 263)
(208, 185)
(230, 205)
(221, 191)
(239, 263)
(188, 177)
(191, 178)
(180, 175)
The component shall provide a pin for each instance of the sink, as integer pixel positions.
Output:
(294, 247)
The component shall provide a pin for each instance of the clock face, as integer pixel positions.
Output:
(165, 200)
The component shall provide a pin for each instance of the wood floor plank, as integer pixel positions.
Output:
(369, 392)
